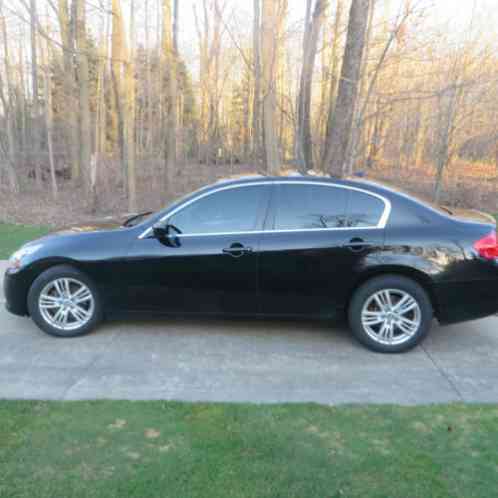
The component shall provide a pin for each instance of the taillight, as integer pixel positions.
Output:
(487, 247)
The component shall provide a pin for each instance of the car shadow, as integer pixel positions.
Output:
(331, 329)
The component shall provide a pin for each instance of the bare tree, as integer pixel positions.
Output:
(9, 152)
(72, 128)
(272, 17)
(36, 103)
(256, 106)
(123, 74)
(100, 118)
(414, 106)
(333, 68)
(210, 39)
(368, 83)
(129, 118)
(303, 140)
(83, 85)
(358, 122)
(47, 86)
(169, 60)
(118, 56)
(342, 119)
(447, 108)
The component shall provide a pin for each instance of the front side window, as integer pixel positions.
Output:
(364, 210)
(231, 210)
(304, 207)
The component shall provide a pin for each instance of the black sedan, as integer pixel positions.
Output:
(262, 246)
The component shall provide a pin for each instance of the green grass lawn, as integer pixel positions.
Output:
(14, 236)
(163, 449)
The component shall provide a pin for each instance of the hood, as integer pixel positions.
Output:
(105, 224)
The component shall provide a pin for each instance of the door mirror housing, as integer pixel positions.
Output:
(161, 231)
(167, 234)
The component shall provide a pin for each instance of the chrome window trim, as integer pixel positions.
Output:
(381, 225)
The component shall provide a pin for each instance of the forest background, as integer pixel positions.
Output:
(117, 106)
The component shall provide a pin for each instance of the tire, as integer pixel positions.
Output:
(82, 312)
(379, 324)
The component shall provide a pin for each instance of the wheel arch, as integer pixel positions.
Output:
(399, 271)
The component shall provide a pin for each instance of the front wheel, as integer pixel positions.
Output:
(64, 302)
(390, 314)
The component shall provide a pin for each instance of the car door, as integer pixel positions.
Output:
(319, 239)
(209, 262)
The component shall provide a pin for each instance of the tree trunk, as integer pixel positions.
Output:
(117, 59)
(69, 85)
(342, 120)
(358, 122)
(11, 156)
(84, 86)
(36, 132)
(149, 122)
(100, 117)
(334, 75)
(49, 120)
(170, 24)
(21, 99)
(130, 152)
(123, 74)
(256, 106)
(445, 132)
(375, 141)
(299, 138)
(203, 77)
(303, 141)
(269, 50)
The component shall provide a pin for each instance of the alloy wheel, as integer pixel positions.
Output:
(66, 304)
(391, 316)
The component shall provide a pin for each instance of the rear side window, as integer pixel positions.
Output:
(364, 210)
(304, 207)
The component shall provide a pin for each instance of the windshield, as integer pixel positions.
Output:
(137, 219)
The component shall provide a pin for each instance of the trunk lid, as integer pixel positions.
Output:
(471, 215)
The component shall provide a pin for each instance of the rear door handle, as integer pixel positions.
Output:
(357, 244)
(237, 250)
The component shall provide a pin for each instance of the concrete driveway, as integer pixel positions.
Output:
(255, 361)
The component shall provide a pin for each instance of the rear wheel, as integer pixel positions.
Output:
(64, 302)
(390, 314)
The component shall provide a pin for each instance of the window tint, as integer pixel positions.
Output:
(231, 210)
(310, 206)
(364, 210)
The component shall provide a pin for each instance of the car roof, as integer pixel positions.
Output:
(297, 178)
(373, 186)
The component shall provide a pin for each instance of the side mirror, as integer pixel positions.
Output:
(160, 231)
(166, 234)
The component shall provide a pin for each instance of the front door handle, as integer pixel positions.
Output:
(357, 244)
(237, 250)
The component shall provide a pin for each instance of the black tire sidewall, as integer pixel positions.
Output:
(63, 271)
(390, 282)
